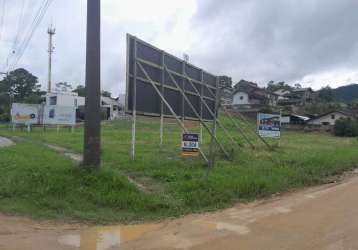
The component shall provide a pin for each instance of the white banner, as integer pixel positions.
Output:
(25, 113)
(59, 115)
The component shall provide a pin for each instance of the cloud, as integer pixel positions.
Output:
(310, 41)
(277, 40)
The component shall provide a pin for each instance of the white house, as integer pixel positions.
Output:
(240, 98)
(281, 93)
(329, 119)
(65, 99)
(111, 106)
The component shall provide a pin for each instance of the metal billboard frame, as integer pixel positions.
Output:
(212, 91)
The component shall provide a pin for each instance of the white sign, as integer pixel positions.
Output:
(59, 115)
(269, 125)
(190, 145)
(25, 113)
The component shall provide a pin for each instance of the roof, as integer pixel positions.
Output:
(109, 101)
(302, 90)
(331, 112)
(305, 118)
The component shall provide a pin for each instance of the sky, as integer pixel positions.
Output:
(311, 42)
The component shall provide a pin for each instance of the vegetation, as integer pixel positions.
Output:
(346, 127)
(39, 182)
(346, 94)
(18, 86)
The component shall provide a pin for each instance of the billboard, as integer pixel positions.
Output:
(269, 126)
(25, 113)
(59, 115)
(166, 71)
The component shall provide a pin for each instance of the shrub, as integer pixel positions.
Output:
(346, 127)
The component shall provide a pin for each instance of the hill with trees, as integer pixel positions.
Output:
(347, 93)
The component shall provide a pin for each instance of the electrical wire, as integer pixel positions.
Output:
(2, 17)
(31, 31)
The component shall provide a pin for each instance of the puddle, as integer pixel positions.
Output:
(104, 238)
(238, 229)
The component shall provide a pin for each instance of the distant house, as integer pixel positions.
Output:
(297, 97)
(251, 95)
(329, 119)
(66, 99)
(294, 119)
(281, 94)
(112, 106)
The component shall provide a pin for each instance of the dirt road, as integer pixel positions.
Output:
(319, 218)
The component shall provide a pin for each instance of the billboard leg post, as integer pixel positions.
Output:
(133, 134)
(201, 133)
(14, 127)
(161, 129)
(58, 129)
(28, 128)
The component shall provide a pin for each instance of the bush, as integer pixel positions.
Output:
(346, 127)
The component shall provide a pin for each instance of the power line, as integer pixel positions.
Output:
(20, 23)
(2, 16)
(17, 35)
(27, 38)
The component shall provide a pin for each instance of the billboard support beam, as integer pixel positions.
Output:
(211, 112)
(238, 127)
(134, 114)
(162, 105)
(213, 135)
(211, 147)
(168, 106)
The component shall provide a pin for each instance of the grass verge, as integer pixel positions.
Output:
(41, 183)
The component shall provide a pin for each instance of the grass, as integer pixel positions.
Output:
(41, 183)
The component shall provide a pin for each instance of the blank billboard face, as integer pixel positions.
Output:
(170, 75)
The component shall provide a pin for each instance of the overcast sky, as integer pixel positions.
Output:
(312, 42)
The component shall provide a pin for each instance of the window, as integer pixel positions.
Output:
(53, 100)
(333, 117)
(241, 98)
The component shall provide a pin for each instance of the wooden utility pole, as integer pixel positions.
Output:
(92, 133)
(51, 32)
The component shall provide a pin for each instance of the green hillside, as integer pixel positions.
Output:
(346, 93)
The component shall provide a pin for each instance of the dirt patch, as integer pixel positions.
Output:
(66, 152)
(144, 184)
(5, 142)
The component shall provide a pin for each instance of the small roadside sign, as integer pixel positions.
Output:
(190, 145)
(269, 125)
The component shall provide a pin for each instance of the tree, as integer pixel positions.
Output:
(20, 84)
(63, 86)
(80, 90)
(326, 94)
(106, 93)
(274, 86)
(297, 86)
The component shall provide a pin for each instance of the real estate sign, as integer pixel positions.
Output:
(190, 145)
(269, 125)
(59, 115)
(25, 113)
